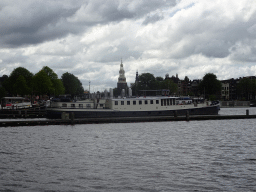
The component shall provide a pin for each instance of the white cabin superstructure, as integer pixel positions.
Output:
(141, 103)
(130, 104)
(151, 104)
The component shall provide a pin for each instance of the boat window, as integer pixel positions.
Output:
(122, 102)
(134, 102)
(151, 101)
(80, 105)
(64, 105)
(157, 101)
(146, 102)
(128, 102)
(88, 105)
(116, 102)
(162, 102)
(168, 101)
(140, 102)
(101, 105)
(73, 105)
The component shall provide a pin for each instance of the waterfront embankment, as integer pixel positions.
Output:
(230, 104)
(24, 122)
(22, 113)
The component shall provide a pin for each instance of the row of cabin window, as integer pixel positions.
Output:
(164, 102)
(74, 106)
(135, 102)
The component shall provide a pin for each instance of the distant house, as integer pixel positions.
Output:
(195, 87)
(225, 90)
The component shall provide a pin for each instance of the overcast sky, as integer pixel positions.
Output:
(88, 38)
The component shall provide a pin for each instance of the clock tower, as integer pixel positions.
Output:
(121, 84)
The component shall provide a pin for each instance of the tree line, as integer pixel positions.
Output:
(46, 82)
(247, 88)
(147, 81)
(210, 86)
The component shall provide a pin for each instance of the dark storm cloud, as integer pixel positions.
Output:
(152, 19)
(33, 21)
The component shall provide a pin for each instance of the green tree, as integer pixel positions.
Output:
(159, 79)
(72, 84)
(50, 73)
(3, 81)
(159, 82)
(253, 88)
(21, 86)
(2, 92)
(15, 74)
(42, 83)
(147, 81)
(58, 87)
(210, 85)
(169, 84)
(80, 89)
(186, 79)
(245, 88)
(3, 78)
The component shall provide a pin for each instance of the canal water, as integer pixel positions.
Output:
(215, 155)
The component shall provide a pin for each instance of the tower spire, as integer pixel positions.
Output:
(121, 84)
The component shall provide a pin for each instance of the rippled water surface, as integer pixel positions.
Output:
(162, 156)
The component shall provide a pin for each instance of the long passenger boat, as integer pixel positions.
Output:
(129, 107)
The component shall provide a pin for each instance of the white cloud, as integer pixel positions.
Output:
(89, 38)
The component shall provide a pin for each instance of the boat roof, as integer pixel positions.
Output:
(13, 98)
(144, 98)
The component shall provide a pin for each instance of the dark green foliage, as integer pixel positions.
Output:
(210, 85)
(42, 83)
(186, 79)
(22, 82)
(169, 84)
(50, 73)
(72, 84)
(160, 79)
(14, 79)
(80, 89)
(21, 86)
(2, 92)
(246, 88)
(147, 81)
(3, 78)
(57, 85)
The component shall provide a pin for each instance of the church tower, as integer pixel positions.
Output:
(121, 84)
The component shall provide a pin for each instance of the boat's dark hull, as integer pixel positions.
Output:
(57, 114)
